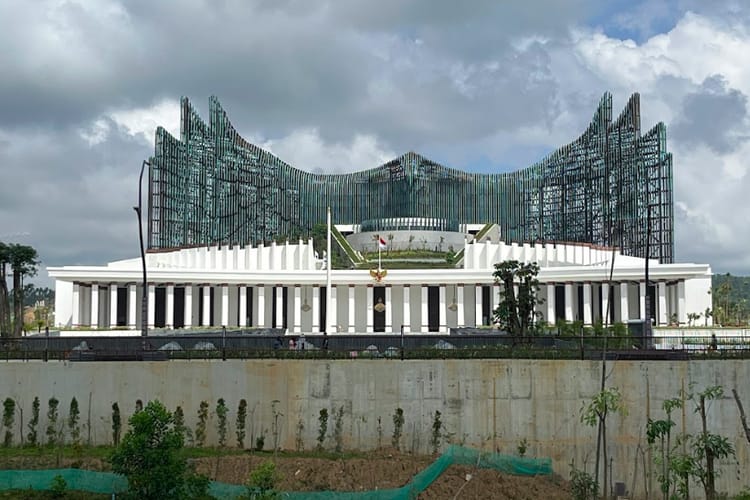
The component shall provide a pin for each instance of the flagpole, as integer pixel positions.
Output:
(328, 273)
(380, 247)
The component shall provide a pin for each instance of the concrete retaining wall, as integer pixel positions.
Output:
(491, 405)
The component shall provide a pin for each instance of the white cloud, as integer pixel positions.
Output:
(96, 133)
(306, 150)
(696, 48)
(143, 121)
(710, 187)
(140, 123)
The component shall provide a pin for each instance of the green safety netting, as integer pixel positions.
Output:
(106, 482)
(76, 479)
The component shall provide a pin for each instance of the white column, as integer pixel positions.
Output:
(642, 305)
(551, 304)
(332, 310)
(352, 317)
(587, 303)
(681, 311)
(460, 299)
(132, 299)
(188, 313)
(169, 316)
(495, 300)
(76, 316)
(297, 310)
(407, 309)
(478, 319)
(206, 306)
(605, 302)
(443, 311)
(315, 308)
(569, 302)
(663, 317)
(370, 323)
(260, 292)
(151, 305)
(243, 306)
(423, 320)
(224, 305)
(94, 305)
(279, 312)
(112, 305)
(624, 311)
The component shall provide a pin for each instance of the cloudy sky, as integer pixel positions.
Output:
(342, 86)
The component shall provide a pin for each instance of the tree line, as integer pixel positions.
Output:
(16, 261)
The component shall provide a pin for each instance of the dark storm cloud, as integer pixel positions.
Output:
(433, 76)
(74, 201)
(712, 116)
(276, 65)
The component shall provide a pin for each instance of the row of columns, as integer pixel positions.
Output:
(352, 308)
(628, 302)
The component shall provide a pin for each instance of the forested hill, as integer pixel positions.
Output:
(731, 300)
(738, 287)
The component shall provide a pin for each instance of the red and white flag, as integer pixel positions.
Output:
(381, 243)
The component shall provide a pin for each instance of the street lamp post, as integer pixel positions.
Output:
(144, 294)
(647, 330)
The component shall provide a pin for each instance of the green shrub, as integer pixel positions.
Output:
(200, 429)
(582, 484)
(58, 486)
(262, 482)
(51, 430)
(32, 437)
(73, 428)
(221, 421)
(116, 424)
(241, 423)
(9, 418)
(149, 456)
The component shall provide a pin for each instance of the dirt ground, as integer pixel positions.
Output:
(381, 470)
(460, 481)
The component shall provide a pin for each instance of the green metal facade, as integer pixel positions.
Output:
(605, 188)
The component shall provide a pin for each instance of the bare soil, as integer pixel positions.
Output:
(382, 470)
(377, 470)
(460, 481)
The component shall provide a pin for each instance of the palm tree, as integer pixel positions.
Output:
(24, 262)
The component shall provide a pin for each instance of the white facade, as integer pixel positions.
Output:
(283, 286)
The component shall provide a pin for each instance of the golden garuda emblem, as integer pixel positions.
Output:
(378, 274)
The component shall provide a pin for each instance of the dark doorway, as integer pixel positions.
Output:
(487, 314)
(284, 306)
(249, 305)
(433, 308)
(559, 302)
(160, 300)
(199, 291)
(211, 306)
(179, 307)
(652, 301)
(122, 306)
(378, 309)
(322, 306)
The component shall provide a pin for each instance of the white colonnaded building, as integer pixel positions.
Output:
(284, 286)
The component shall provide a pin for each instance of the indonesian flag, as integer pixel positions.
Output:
(381, 243)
